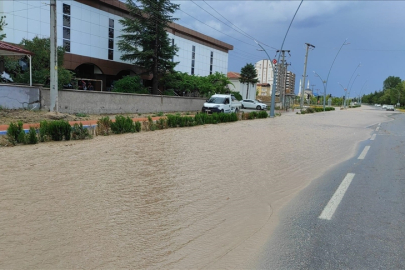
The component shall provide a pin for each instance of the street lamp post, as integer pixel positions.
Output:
(325, 83)
(344, 101)
(273, 88)
(324, 89)
(350, 89)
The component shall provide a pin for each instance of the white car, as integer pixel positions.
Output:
(384, 106)
(390, 108)
(252, 104)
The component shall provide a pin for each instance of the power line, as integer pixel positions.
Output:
(246, 34)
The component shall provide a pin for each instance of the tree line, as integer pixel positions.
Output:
(393, 92)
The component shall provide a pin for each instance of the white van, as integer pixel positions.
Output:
(221, 103)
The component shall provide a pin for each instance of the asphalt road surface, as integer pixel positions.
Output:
(353, 217)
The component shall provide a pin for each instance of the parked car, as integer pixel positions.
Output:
(384, 106)
(221, 103)
(252, 104)
(390, 108)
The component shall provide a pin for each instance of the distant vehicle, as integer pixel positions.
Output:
(384, 106)
(221, 103)
(390, 108)
(252, 104)
(378, 105)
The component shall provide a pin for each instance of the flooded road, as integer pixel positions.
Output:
(203, 197)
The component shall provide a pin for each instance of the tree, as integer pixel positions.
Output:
(145, 42)
(40, 64)
(2, 24)
(130, 84)
(248, 75)
(391, 82)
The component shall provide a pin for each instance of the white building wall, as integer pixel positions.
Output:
(89, 33)
(202, 57)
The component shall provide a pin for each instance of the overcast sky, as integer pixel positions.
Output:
(374, 30)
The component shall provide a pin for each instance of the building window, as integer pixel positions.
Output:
(66, 9)
(111, 39)
(192, 60)
(66, 27)
(211, 61)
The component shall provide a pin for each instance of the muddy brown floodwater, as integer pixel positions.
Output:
(205, 197)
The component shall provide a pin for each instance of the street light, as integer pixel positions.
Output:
(350, 90)
(327, 78)
(273, 90)
(344, 89)
(324, 89)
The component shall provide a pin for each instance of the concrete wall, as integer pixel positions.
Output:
(94, 102)
(19, 97)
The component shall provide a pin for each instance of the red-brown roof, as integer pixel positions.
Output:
(233, 75)
(8, 49)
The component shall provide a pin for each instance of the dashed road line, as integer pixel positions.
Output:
(373, 137)
(337, 197)
(364, 153)
(377, 129)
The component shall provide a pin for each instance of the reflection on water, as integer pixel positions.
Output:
(178, 198)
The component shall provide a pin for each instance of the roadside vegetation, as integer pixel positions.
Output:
(61, 130)
(393, 92)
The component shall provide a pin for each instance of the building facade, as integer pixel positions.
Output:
(89, 31)
(242, 88)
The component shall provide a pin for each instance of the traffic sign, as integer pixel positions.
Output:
(274, 61)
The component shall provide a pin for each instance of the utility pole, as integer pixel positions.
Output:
(283, 75)
(305, 74)
(54, 60)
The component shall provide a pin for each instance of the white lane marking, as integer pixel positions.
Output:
(373, 137)
(379, 124)
(334, 202)
(377, 129)
(364, 153)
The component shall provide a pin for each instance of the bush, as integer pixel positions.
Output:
(14, 131)
(59, 130)
(122, 125)
(161, 123)
(130, 84)
(138, 126)
(152, 125)
(79, 132)
(43, 131)
(252, 115)
(104, 125)
(262, 114)
(32, 137)
(22, 138)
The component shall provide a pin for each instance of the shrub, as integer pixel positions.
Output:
(59, 130)
(104, 125)
(81, 115)
(13, 132)
(262, 114)
(43, 131)
(122, 125)
(79, 132)
(130, 84)
(32, 137)
(22, 138)
(161, 123)
(252, 115)
(138, 126)
(152, 125)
